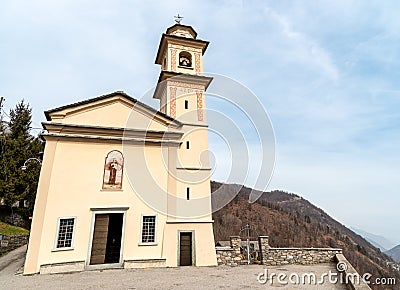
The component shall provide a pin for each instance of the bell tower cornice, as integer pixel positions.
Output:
(183, 80)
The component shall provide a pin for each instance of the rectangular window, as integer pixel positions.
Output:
(187, 193)
(187, 145)
(148, 229)
(186, 104)
(65, 232)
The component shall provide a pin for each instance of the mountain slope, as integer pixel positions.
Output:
(394, 253)
(291, 221)
(378, 241)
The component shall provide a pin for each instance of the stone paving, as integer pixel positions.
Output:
(222, 277)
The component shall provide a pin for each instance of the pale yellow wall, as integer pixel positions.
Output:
(184, 93)
(197, 154)
(36, 237)
(76, 186)
(197, 189)
(189, 115)
(115, 112)
(197, 207)
(100, 115)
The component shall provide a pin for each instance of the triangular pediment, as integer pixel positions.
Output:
(117, 110)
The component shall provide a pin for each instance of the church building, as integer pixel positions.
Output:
(126, 185)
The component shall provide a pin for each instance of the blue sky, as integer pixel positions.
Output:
(326, 71)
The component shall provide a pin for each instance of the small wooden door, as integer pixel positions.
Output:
(185, 249)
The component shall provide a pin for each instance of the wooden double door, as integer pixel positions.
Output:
(106, 242)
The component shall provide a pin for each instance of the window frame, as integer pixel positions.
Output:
(141, 243)
(55, 248)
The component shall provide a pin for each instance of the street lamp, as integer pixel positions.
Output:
(23, 167)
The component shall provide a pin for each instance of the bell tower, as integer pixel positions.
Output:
(181, 90)
(181, 84)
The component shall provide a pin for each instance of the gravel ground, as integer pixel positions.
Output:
(222, 277)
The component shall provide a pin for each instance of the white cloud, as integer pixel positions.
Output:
(306, 49)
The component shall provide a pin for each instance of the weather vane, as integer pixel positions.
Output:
(178, 19)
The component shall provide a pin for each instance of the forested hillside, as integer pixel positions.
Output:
(291, 221)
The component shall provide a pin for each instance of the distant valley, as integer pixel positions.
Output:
(378, 241)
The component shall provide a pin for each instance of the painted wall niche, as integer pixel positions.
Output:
(113, 170)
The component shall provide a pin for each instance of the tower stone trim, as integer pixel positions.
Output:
(173, 102)
(197, 62)
(199, 106)
(173, 59)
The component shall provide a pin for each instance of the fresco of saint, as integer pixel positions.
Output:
(113, 169)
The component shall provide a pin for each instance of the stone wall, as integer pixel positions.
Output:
(231, 256)
(283, 256)
(11, 242)
(15, 220)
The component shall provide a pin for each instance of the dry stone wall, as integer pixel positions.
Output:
(270, 256)
(15, 220)
(231, 256)
(11, 242)
(302, 256)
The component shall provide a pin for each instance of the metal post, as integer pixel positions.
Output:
(248, 251)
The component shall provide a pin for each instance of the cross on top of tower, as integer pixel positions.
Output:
(178, 19)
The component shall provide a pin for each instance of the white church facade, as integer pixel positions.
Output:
(126, 185)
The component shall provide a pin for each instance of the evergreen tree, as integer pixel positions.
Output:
(17, 146)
